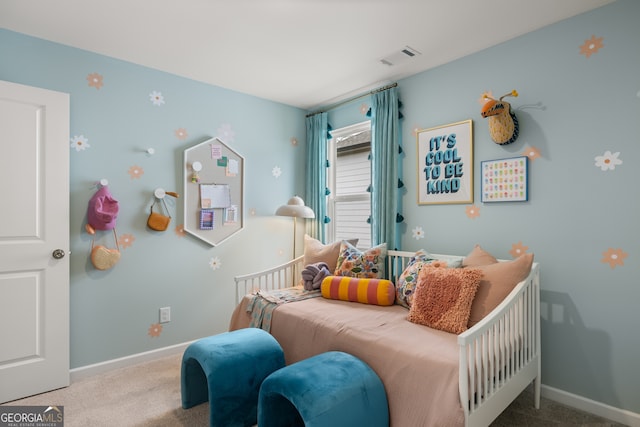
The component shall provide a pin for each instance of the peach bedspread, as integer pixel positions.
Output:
(417, 365)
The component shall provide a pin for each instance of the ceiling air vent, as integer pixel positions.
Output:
(409, 52)
(400, 57)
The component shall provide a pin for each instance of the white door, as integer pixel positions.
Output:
(34, 223)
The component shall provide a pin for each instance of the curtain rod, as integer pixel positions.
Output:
(346, 101)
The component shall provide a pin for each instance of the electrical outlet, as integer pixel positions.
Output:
(165, 314)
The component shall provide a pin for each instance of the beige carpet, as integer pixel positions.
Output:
(148, 395)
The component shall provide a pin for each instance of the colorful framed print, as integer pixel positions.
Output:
(505, 180)
(445, 164)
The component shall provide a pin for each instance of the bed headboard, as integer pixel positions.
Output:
(397, 261)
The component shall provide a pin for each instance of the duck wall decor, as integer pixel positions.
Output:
(503, 123)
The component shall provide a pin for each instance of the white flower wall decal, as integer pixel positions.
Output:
(79, 142)
(608, 161)
(215, 263)
(226, 133)
(156, 98)
(417, 233)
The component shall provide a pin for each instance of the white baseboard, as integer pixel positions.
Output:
(134, 359)
(618, 415)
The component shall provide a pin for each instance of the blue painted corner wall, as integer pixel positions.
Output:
(578, 107)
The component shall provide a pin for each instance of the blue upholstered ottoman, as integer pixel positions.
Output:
(332, 389)
(227, 370)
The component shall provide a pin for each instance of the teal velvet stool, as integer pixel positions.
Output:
(227, 370)
(332, 389)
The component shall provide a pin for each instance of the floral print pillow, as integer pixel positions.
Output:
(406, 285)
(408, 280)
(368, 264)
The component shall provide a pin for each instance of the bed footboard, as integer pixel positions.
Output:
(283, 276)
(500, 356)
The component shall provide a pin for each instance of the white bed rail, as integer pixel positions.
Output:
(500, 355)
(283, 276)
(288, 274)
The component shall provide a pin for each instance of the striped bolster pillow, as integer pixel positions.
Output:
(366, 291)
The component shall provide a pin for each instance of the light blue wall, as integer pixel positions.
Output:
(572, 108)
(112, 311)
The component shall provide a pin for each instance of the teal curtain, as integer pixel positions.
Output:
(316, 175)
(385, 146)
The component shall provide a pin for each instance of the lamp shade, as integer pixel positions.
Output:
(295, 207)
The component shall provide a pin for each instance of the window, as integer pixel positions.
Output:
(349, 177)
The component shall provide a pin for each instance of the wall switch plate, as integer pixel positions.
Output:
(165, 314)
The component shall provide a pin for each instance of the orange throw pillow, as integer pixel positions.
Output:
(498, 281)
(443, 298)
(477, 257)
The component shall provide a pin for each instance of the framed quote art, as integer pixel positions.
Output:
(505, 180)
(445, 164)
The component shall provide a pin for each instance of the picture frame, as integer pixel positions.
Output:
(230, 215)
(505, 180)
(445, 164)
(207, 219)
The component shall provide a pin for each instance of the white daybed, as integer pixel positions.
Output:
(432, 378)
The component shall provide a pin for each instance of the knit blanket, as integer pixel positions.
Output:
(312, 275)
(262, 303)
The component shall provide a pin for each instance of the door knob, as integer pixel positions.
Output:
(58, 254)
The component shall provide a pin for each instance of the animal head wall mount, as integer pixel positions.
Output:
(503, 124)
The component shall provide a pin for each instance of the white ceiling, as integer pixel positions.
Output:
(305, 53)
